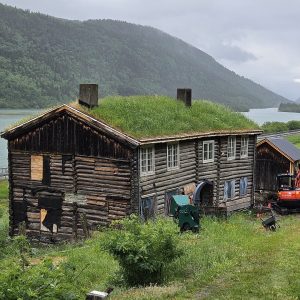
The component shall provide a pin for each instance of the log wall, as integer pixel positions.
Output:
(96, 189)
(80, 177)
(193, 169)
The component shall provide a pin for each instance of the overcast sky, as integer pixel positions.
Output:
(259, 39)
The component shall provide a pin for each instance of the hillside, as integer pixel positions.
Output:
(43, 59)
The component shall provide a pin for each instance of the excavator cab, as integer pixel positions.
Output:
(285, 182)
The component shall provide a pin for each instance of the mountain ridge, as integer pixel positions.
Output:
(43, 59)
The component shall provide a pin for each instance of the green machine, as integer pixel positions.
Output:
(184, 213)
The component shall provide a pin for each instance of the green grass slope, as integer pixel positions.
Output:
(43, 59)
(229, 259)
(152, 116)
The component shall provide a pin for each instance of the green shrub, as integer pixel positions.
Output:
(292, 125)
(143, 250)
(271, 127)
(3, 189)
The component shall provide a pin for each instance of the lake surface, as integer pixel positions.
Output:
(7, 118)
(261, 116)
(11, 116)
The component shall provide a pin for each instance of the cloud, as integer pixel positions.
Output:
(297, 80)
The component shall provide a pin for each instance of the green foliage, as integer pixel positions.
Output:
(42, 281)
(294, 139)
(3, 190)
(292, 125)
(147, 116)
(273, 127)
(289, 107)
(143, 250)
(43, 59)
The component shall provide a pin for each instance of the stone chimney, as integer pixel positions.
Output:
(185, 95)
(88, 95)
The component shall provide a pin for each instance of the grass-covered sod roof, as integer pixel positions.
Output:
(154, 116)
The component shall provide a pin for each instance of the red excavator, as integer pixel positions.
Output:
(288, 195)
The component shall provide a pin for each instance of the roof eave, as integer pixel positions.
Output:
(166, 139)
(13, 132)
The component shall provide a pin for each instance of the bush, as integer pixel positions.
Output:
(271, 127)
(292, 125)
(143, 250)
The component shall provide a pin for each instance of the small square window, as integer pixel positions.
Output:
(231, 147)
(168, 196)
(208, 151)
(147, 207)
(147, 161)
(172, 156)
(229, 189)
(244, 146)
(243, 186)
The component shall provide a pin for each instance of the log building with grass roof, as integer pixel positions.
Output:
(83, 165)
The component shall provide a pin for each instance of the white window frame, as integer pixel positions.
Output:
(172, 163)
(145, 156)
(208, 143)
(231, 143)
(244, 146)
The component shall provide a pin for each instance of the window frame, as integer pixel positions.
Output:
(147, 151)
(231, 183)
(244, 138)
(173, 146)
(233, 138)
(153, 206)
(208, 142)
(244, 181)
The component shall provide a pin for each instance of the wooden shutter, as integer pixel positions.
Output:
(37, 167)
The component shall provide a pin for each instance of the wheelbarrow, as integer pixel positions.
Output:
(270, 223)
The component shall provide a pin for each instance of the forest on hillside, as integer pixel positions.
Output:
(43, 59)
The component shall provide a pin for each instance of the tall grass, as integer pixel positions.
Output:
(147, 116)
(294, 139)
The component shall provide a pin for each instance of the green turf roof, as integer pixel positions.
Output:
(155, 116)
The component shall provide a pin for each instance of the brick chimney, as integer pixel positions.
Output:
(88, 95)
(185, 95)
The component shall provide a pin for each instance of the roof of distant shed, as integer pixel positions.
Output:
(283, 146)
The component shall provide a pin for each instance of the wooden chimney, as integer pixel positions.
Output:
(185, 95)
(88, 95)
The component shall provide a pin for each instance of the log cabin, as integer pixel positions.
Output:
(80, 166)
(274, 156)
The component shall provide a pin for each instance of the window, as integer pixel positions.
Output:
(147, 161)
(243, 186)
(208, 151)
(229, 189)
(40, 168)
(244, 146)
(231, 146)
(37, 167)
(173, 156)
(147, 208)
(168, 196)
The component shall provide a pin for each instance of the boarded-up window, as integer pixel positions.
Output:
(40, 168)
(147, 208)
(37, 167)
(243, 186)
(229, 189)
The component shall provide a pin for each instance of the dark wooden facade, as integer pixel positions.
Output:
(70, 173)
(273, 160)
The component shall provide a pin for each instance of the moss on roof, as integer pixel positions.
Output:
(153, 116)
